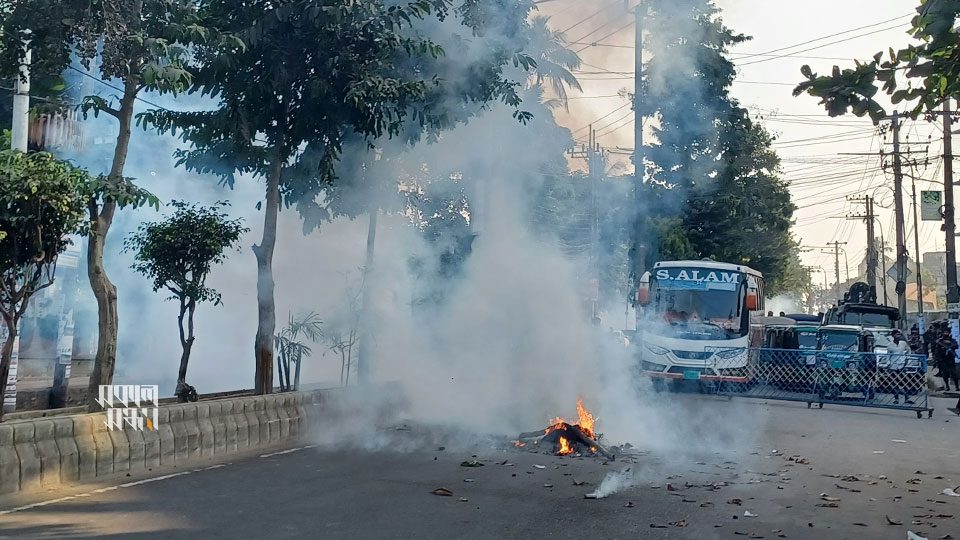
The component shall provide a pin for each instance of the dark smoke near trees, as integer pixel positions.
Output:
(711, 175)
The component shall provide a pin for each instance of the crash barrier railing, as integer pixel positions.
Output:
(47, 452)
(878, 380)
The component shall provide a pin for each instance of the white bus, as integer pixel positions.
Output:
(696, 320)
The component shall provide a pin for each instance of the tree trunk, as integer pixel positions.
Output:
(296, 376)
(101, 218)
(281, 358)
(186, 341)
(6, 354)
(266, 308)
(363, 344)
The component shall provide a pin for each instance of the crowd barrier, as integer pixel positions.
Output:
(877, 380)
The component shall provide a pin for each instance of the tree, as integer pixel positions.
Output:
(925, 74)
(292, 347)
(710, 162)
(310, 76)
(41, 203)
(177, 254)
(554, 60)
(142, 44)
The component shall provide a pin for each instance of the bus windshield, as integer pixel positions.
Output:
(697, 303)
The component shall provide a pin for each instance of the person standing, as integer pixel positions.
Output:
(898, 351)
(946, 354)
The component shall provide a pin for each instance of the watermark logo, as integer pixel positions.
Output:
(131, 404)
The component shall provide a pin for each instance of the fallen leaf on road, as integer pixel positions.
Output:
(504, 462)
(443, 492)
(949, 492)
(657, 526)
(679, 524)
(748, 513)
(878, 451)
(688, 500)
(463, 499)
(858, 524)
(540, 466)
(471, 463)
(629, 504)
(671, 488)
(706, 505)
(900, 441)
(892, 521)
(579, 483)
(737, 502)
(825, 497)
(919, 472)
(915, 481)
(912, 536)
(829, 505)
(548, 485)
(850, 478)
(882, 477)
(946, 537)
(591, 496)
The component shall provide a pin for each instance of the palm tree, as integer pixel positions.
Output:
(291, 348)
(555, 62)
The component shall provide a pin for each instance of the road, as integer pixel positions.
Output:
(800, 458)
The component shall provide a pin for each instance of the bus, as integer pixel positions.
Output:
(696, 320)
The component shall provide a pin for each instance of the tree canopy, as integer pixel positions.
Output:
(177, 254)
(711, 169)
(41, 204)
(921, 76)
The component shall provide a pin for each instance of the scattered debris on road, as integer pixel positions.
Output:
(471, 463)
(442, 492)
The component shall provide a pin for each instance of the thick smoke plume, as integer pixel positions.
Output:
(509, 347)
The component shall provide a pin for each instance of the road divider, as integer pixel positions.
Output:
(46, 452)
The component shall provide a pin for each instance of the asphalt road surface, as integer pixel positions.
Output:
(819, 474)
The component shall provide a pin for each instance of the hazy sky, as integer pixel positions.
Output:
(808, 141)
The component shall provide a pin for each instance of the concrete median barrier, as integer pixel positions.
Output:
(67, 448)
(9, 462)
(39, 453)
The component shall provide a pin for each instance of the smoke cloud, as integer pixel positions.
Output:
(509, 346)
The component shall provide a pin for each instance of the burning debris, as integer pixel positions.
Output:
(563, 438)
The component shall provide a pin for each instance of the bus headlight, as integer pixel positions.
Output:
(657, 349)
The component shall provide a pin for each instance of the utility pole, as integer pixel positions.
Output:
(19, 137)
(21, 107)
(898, 209)
(596, 164)
(836, 256)
(868, 217)
(640, 255)
(916, 242)
(949, 225)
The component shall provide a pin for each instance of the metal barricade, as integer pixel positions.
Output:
(878, 380)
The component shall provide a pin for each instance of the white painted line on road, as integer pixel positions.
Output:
(133, 484)
(37, 505)
(280, 453)
(148, 480)
(96, 491)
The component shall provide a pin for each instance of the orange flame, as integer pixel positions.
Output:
(586, 420)
(556, 423)
(565, 448)
(519, 444)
